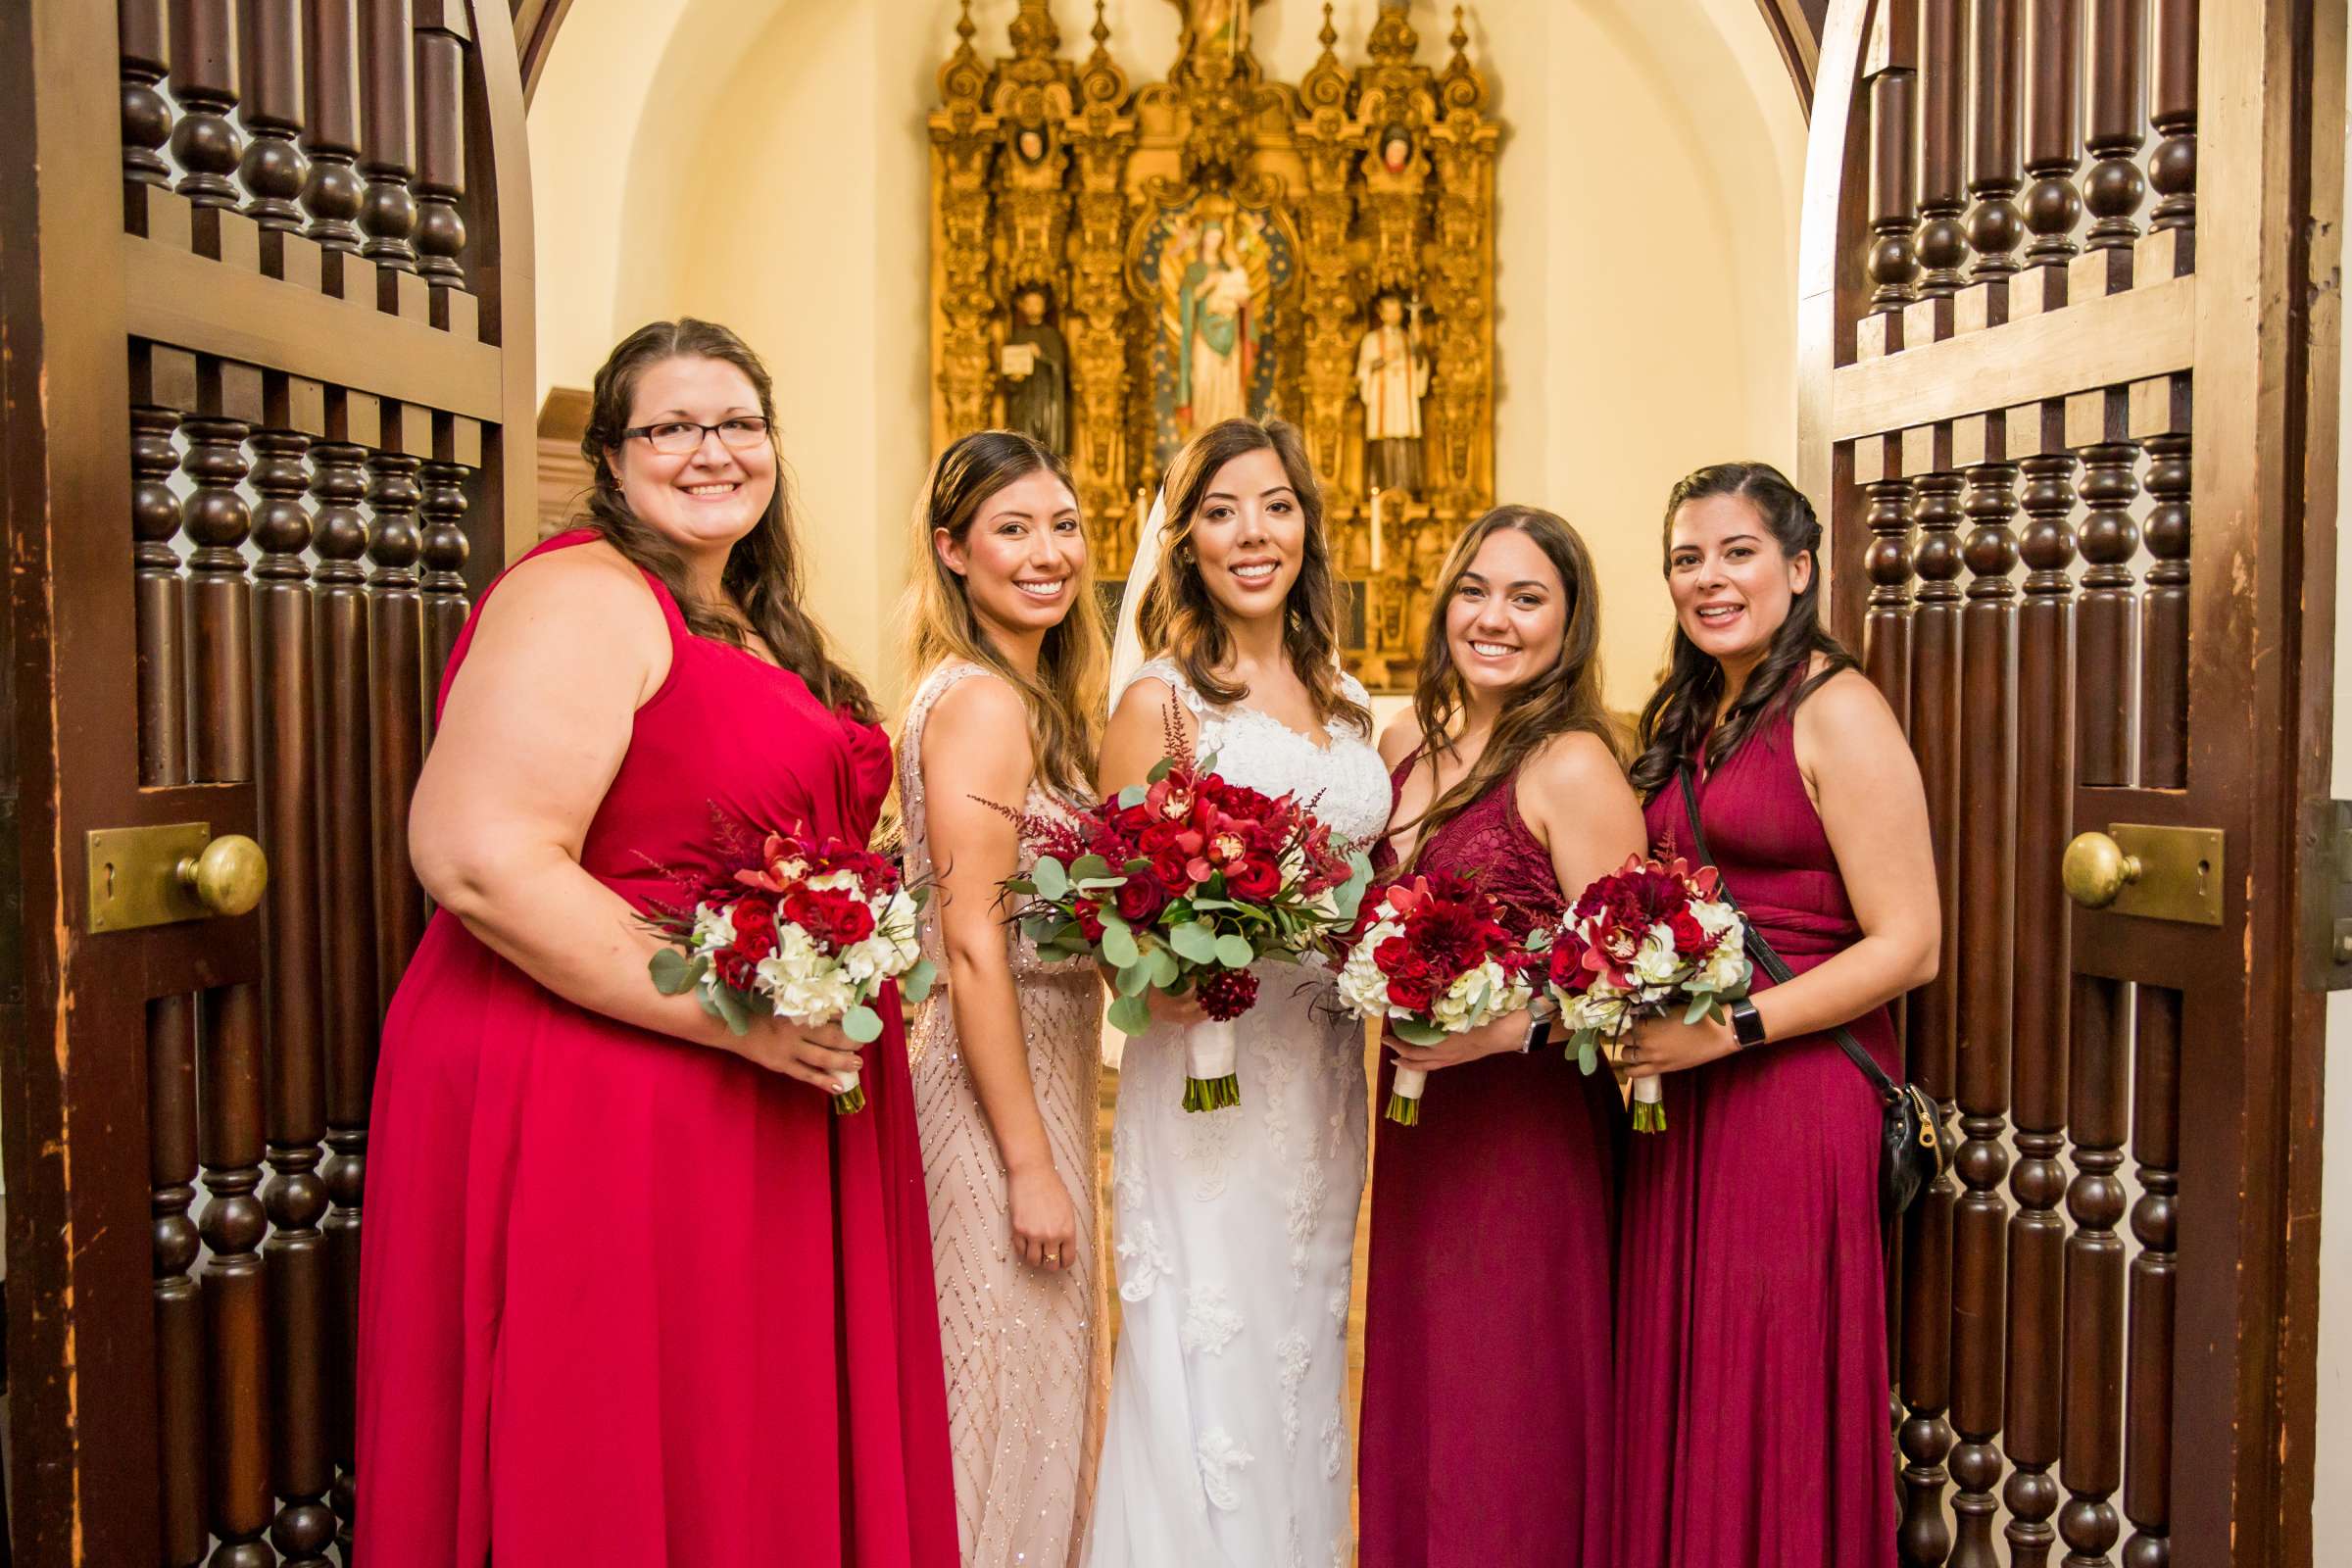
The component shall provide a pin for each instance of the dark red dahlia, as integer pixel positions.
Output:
(1226, 992)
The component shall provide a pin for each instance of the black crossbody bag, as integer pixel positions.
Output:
(1911, 1152)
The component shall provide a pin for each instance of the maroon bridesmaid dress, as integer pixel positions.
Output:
(1486, 1436)
(626, 1300)
(1751, 1330)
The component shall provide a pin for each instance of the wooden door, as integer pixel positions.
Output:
(2068, 391)
(266, 323)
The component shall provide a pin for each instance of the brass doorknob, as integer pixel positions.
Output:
(229, 876)
(2096, 871)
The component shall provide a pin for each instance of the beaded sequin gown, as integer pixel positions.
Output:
(1226, 1444)
(1023, 1346)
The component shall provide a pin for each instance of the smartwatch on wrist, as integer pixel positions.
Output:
(1748, 1024)
(1538, 1032)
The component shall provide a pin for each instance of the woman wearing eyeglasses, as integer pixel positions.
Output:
(630, 1292)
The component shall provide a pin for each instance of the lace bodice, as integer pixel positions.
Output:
(1342, 778)
(1039, 804)
(1491, 842)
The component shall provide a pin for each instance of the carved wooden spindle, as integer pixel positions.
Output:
(2097, 1105)
(232, 1224)
(2045, 684)
(2172, 109)
(338, 485)
(1934, 712)
(273, 170)
(146, 112)
(1995, 227)
(177, 1245)
(2107, 610)
(335, 194)
(2164, 615)
(217, 520)
(162, 381)
(1943, 244)
(1892, 262)
(387, 142)
(444, 548)
(2156, 1144)
(204, 78)
(1987, 788)
(442, 32)
(1887, 622)
(2117, 123)
(2052, 154)
(295, 1196)
(396, 727)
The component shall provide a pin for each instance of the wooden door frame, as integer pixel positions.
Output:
(2270, 214)
(81, 1452)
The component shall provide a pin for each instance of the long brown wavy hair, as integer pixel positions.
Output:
(763, 575)
(1180, 618)
(1681, 714)
(1565, 698)
(1064, 697)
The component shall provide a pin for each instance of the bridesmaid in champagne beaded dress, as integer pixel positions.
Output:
(1005, 1054)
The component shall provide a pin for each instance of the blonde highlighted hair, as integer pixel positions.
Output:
(1064, 697)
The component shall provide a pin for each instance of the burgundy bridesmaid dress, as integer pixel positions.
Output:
(1486, 1436)
(1751, 1330)
(626, 1300)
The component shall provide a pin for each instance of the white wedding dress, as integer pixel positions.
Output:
(1226, 1444)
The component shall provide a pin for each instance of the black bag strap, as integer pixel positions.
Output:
(1771, 962)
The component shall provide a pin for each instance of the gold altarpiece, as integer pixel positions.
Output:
(1114, 266)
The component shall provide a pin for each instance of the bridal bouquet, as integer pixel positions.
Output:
(808, 934)
(1178, 885)
(1433, 957)
(1644, 941)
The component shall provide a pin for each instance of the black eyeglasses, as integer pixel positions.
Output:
(677, 437)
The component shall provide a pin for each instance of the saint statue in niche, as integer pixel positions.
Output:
(1220, 28)
(1035, 365)
(1392, 376)
(1220, 339)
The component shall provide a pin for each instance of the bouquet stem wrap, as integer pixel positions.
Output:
(848, 1097)
(1404, 1097)
(1649, 1105)
(1210, 1048)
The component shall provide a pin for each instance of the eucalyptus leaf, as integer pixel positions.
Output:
(1700, 1007)
(1119, 946)
(1087, 866)
(915, 983)
(862, 1024)
(1193, 941)
(730, 1009)
(1165, 967)
(1414, 1032)
(1234, 953)
(1160, 769)
(1131, 1016)
(1052, 882)
(1132, 796)
(1135, 979)
(673, 972)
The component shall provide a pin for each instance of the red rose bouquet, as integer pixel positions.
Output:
(1178, 885)
(1433, 957)
(810, 934)
(1648, 939)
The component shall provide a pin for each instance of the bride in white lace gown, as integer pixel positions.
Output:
(1226, 1444)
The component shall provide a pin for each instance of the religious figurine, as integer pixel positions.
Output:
(1219, 29)
(1217, 336)
(1392, 376)
(1036, 368)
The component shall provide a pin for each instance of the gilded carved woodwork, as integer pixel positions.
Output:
(1218, 243)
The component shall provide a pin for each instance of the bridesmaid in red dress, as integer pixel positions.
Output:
(630, 1292)
(1486, 1419)
(1751, 1348)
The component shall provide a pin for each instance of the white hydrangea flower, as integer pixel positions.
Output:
(1362, 984)
(713, 927)
(1657, 963)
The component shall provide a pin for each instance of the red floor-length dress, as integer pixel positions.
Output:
(630, 1300)
(1485, 1418)
(1751, 1360)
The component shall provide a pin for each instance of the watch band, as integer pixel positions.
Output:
(1748, 1024)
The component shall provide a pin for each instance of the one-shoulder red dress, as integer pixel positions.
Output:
(1751, 1326)
(626, 1300)
(1486, 1436)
